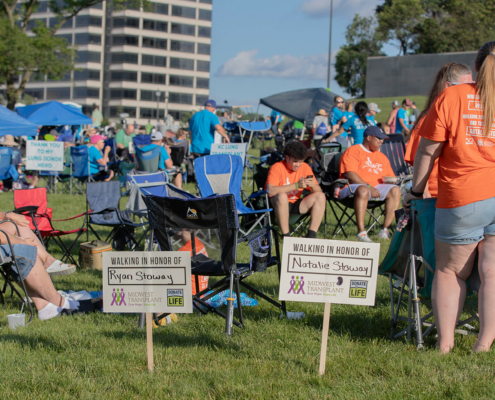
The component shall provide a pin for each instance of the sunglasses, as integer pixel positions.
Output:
(339, 102)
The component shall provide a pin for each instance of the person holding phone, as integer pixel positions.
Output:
(286, 181)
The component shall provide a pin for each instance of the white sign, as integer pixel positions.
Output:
(329, 271)
(237, 149)
(44, 156)
(147, 282)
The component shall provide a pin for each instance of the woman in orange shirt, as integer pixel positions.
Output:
(458, 131)
(449, 75)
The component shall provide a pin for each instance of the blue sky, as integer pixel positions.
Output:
(263, 47)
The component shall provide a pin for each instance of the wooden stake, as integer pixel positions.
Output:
(324, 338)
(149, 340)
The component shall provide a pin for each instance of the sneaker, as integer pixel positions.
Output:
(57, 268)
(169, 319)
(384, 234)
(363, 237)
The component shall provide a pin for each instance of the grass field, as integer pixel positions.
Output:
(384, 104)
(104, 355)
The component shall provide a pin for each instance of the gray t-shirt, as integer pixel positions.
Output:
(317, 122)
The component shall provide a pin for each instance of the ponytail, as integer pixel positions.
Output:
(361, 109)
(485, 84)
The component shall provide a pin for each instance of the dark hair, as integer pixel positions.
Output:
(296, 150)
(361, 109)
(485, 65)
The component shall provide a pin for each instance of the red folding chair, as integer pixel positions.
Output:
(33, 204)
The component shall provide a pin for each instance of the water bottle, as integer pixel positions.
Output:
(336, 192)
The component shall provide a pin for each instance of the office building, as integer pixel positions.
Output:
(126, 57)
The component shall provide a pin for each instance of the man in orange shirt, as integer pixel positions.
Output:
(364, 166)
(286, 181)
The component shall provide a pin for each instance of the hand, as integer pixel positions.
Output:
(311, 182)
(18, 219)
(107, 149)
(301, 184)
(29, 241)
(406, 201)
(374, 192)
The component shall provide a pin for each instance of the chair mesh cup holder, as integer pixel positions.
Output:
(260, 253)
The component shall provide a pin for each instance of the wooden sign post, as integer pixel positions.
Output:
(330, 272)
(147, 282)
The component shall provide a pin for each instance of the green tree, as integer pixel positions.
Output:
(40, 52)
(361, 43)
(397, 23)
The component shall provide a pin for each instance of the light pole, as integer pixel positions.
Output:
(330, 46)
(158, 94)
(166, 107)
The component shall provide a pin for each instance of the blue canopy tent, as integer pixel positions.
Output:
(15, 125)
(53, 113)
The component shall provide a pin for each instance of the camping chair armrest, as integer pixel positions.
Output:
(262, 158)
(258, 194)
(68, 219)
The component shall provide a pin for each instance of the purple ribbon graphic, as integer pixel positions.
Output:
(114, 298)
(122, 295)
(292, 286)
(301, 285)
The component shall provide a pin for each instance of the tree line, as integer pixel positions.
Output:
(413, 27)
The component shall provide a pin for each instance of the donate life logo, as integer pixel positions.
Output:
(118, 297)
(296, 285)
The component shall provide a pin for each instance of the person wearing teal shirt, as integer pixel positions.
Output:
(401, 124)
(202, 129)
(97, 159)
(355, 125)
(337, 112)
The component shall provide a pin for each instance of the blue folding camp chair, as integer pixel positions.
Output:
(222, 174)
(7, 170)
(136, 182)
(141, 140)
(148, 160)
(410, 267)
(103, 200)
(79, 168)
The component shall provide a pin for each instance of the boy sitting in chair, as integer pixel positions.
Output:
(286, 181)
(365, 167)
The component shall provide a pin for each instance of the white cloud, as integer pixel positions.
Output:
(321, 8)
(245, 63)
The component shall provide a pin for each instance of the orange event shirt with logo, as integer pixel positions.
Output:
(280, 175)
(371, 166)
(412, 148)
(466, 167)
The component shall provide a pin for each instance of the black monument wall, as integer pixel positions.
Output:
(409, 75)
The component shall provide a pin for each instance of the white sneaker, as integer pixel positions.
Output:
(363, 237)
(384, 234)
(57, 268)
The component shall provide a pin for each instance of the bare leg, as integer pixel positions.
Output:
(178, 180)
(486, 295)
(110, 176)
(392, 203)
(41, 288)
(315, 202)
(454, 263)
(27, 233)
(361, 198)
(280, 204)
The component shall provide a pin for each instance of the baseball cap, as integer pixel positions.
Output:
(394, 103)
(156, 135)
(211, 103)
(96, 138)
(407, 102)
(374, 131)
(374, 107)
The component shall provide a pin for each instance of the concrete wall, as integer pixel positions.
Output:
(409, 75)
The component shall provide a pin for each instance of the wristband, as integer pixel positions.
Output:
(368, 186)
(297, 186)
(416, 194)
(7, 216)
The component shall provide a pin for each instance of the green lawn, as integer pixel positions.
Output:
(104, 355)
(384, 104)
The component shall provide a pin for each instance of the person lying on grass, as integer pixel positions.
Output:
(33, 262)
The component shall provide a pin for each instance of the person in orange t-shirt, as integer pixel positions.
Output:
(286, 181)
(364, 166)
(450, 74)
(185, 238)
(458, 130)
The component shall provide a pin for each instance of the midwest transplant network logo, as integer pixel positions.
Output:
(118, 297)
(296, 285)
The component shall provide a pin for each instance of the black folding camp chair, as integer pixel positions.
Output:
(103, 200)
(169, 217)
(6, 264)
(395, 148)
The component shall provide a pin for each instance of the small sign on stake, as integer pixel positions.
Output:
(44, 156)
(235, 149)
(329, 271)
(147, 282)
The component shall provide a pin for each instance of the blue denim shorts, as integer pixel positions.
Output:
(26, 258)
(466, 224)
